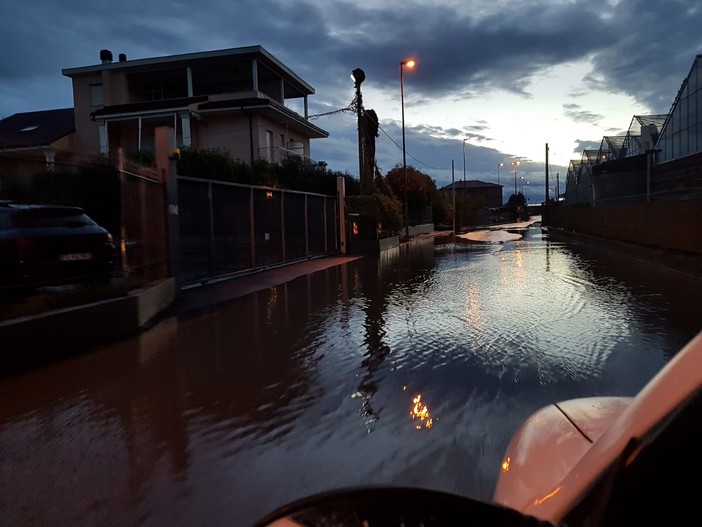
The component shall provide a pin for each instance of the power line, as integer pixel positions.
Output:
(349, 108)
(400, 147)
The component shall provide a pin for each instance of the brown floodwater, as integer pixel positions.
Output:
(410, 369)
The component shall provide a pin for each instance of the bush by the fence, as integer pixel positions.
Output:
(382, 209)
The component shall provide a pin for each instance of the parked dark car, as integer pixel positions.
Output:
(50, 244)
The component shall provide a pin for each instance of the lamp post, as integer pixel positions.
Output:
(410, 64)
(515, 164)
(527, 192)
(498, 179)
(521, 181)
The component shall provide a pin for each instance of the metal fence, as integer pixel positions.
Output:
(228, 228)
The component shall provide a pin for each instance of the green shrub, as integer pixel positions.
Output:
(291, 174)
(380, 208)
(214, 164)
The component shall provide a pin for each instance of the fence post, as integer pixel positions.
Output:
(211, 233)
(307, 227)
(122, 214)
(166, 162)
(252, 227)
(283, 252)
(341, 196)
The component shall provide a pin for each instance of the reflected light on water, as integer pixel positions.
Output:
(505, 464)
(421, 412)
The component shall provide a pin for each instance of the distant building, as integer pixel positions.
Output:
(490, 193)
(33, 142)
(232, 99)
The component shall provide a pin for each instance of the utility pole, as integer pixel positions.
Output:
(544, 211)
(546, 171)
(366, 180)
(453, 197)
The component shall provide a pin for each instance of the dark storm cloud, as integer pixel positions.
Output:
(456, 50)
(575, 113)
(585, 145)
(656, 46)
(450, 133)
(638, 48)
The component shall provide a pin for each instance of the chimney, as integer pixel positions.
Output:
(105, 56)
(122, 57)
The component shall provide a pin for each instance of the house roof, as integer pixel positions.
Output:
(204, 57)
(36, 129)
(471, 184)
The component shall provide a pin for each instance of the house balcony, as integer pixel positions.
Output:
(277, 155)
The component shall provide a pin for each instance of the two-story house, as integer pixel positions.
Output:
(233, 99)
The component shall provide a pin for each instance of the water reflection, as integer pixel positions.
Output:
(218, 417)
(421, 412)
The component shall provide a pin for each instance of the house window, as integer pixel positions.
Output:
(153, 90)
(97, 97)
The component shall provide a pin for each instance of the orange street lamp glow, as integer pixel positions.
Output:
(515, 164)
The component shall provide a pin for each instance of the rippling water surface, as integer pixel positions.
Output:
(216, 418)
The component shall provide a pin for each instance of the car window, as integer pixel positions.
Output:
(50, 217)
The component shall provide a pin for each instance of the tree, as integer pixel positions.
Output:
(421, 189)
(516, 205)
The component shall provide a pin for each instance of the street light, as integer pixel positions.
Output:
(515, 164)
(521, 180)
(498, 179)
(527, 192)
(410, 64)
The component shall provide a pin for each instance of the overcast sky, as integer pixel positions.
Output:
(507, 75)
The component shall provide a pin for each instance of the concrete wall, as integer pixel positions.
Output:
(35, 340)
(88, 138)
(426, 228)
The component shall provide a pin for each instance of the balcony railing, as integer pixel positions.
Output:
(278, 154)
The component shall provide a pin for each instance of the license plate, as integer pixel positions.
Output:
(74, 257)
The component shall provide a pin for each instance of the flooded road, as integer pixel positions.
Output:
(217, 417)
